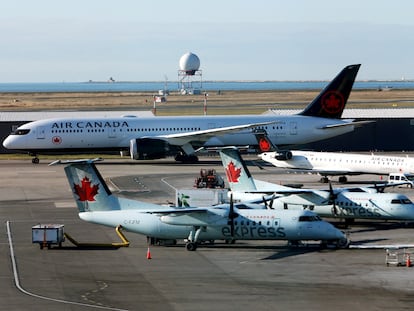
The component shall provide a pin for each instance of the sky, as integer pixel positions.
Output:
(131, 40)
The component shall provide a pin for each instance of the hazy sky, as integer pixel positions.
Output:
(132, 40)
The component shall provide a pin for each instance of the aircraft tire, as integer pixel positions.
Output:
(191, 246)
(343, 243)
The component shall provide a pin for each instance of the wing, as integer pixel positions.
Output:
(190, 216)
(204, 135)
(350, 123)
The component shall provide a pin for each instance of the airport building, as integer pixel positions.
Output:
(390, 130)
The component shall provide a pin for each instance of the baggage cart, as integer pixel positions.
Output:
(398, 257)
(47, 235)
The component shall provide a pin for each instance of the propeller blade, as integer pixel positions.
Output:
(231, 215)
(271, 202)
(265, 202)
(332, 199)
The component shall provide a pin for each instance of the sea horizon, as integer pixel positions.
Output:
(204, 86)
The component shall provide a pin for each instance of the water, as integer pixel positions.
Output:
(206, 86)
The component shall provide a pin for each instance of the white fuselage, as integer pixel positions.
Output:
(249, 225)
(365, 203)
(331, 163)
(115, 133)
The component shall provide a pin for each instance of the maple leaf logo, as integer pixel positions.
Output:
(56, 140)
(85, 191)
(264, 145)
(232, 172)
(333, 102)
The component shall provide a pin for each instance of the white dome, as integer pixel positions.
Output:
(189, 63)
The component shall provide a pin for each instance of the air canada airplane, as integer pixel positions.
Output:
(98, 205)
(345, 203)
(158, 137)
(333, 163)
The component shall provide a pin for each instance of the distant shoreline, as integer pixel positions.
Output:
(202, 86)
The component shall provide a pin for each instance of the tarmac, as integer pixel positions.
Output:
(254, 275)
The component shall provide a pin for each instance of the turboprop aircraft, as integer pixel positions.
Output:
(158, 137)
(332, 163)
(345, 203)
(98, 205)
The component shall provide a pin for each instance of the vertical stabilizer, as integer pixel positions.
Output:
(237, 173)
(89, 189)
(330, 103)
(264, 143)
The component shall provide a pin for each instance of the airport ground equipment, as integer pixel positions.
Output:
(47, 235)
(398, 257)
(124, 243)
(209, 179)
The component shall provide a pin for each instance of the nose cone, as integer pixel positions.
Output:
(7, 143)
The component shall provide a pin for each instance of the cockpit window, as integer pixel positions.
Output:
(401, 201)
(309, 218)
(20, 132)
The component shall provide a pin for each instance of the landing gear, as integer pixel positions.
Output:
(192, 241)
(35, 160)
(341, 243)
(324, 180)
(186, 158)
(191, 246)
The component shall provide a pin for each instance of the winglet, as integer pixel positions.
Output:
(331, 102)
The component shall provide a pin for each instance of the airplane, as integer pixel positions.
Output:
(332, 163)
(158, 137)
(344, 203)
(97, 204)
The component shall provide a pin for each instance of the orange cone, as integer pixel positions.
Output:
(408, 261)
(148, 254)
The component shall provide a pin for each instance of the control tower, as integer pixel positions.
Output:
(189, 75)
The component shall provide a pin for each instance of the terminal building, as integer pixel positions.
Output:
(390, 129)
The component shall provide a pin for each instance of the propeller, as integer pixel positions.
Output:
(271, 199)
(332, 199)
(379, 188)
(232, 215)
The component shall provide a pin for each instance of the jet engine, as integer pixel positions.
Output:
(283, 155)
(148, 148)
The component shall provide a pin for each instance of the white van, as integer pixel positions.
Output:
(399, 178)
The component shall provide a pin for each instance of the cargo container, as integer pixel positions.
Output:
(47, 235)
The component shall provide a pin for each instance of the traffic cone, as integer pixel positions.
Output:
(408, 261)
(148, 253)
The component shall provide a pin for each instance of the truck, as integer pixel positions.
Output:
(209, 178)
(47, 235)
(401, 179)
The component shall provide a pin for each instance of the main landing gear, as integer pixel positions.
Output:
(186, 158)
(192, 240)
(35, 159)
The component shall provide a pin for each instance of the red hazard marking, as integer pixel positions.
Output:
(233, 173)
(56, 140)
(333, 102)
(85, 191)
(264, 145)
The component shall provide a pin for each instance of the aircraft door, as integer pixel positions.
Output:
(40, 132)
(293, 128)
(111, 132)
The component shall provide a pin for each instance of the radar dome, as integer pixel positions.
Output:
(189, 63)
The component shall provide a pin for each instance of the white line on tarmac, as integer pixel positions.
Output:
(17, 281)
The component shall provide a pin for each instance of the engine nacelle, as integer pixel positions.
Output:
(148, 148)
(283, 155)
